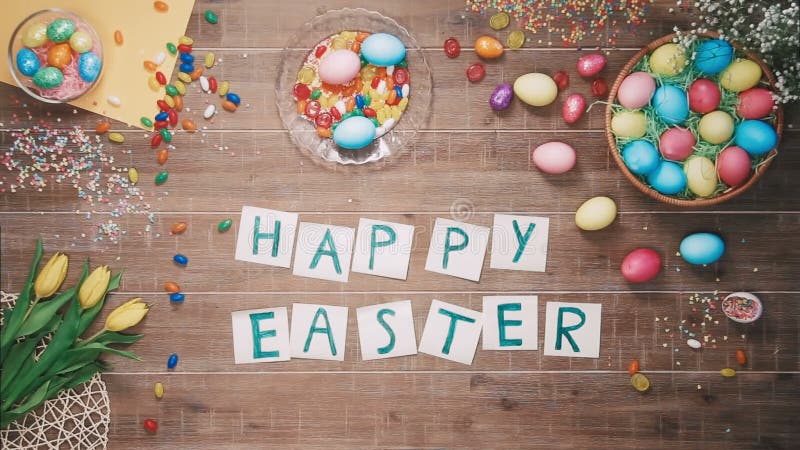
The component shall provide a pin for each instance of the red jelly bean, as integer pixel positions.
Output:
(160, 124)
(336, 114)
(150, 425)
(476, 72)
(452, 48)
(162, 105)
(173, 117)
(183, 48)
(599, 88)
(161, 78)
(312, 108)
(320, 51)
(369, 112)
(562, 80)
(301, 91)
(212, 84)
(323, 120)
(155, 141)
(375, 82)
(401, 76)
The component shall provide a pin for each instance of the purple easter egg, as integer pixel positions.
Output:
(501, 97)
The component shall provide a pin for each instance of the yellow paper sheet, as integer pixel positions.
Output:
(145, 31)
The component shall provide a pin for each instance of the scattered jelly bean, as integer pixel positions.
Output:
(562, 80)
(209, 112)
(162, 156)
(149, 66)
(160, 124)
(368, 112)
(158, 390)
(452, 48)
(185, 40)
(359, 101)
(694, 343)
(118, 39)
(173, 117)
(161, 178)
(633, 367)
(186, 67)
(176, 297)
(398, 91)
(229, 106)
(312, 108)
(165, 134)
(133, 175)
(116, 137)
(211, 17)
(180, 259)
(476, 72)
(155, 141)
(169, 101)
(146, 122)
(204, 84)
(113, 100)
(178, 227)
(171, 90)
(171, 48)
(178, 100)
(640, 382)
(187, 58)
(367, 100)
(153, 83)
(102, 127)
(599, 88)
(161, 78)
(323, 120)
(180, 87)
(727, 372)
(233, 98)
(212, 84)
(741, 357)
(172, 361)
(162, 116)
(210, 59)
(162, 105)
(184, 77)
(315, 94)
(224, 87)
(196, 73)
(188, 125)
(150, 424)
(160, 58)
(225, 225)
(172, 287)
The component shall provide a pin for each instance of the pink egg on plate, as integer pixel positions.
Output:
(636, 90)
(554, 157)
(641, 265)
(591, 65)
(676, 143)
(755, 103)
(733, 166)
(339, 67)
(704, 96)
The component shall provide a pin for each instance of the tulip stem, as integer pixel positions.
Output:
(30, 308)
(94, 336)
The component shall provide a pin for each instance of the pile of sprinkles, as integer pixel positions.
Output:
(573, 21)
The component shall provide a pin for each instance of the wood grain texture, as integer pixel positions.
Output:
(468, 163)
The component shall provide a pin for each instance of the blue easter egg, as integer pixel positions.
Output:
(671, 104)
(713, 56)
(702, 248)
(640, 156)
(89, 66)
(354, 132)
(668, 178)
(755, 137)
(383, 49)
(27, 62)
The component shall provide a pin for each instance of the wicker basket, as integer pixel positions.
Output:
(699, 202)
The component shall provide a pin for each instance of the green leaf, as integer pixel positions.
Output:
(44, 311)
(20, 353)
(14, 322)
(106, 349)
(33, 400)
(88, 315)
(113, 337)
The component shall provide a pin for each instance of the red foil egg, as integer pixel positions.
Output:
(573, 108)
(591, 65)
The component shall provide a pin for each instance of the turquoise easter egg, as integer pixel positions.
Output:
(27, 62)
(89, 66)
(702, 248)
(48, 78)
(354, 132)
(60, 30)
(640, 156)
(671, 104)
(668, 178)
(755, 137)
(382, 49)
(713, 56)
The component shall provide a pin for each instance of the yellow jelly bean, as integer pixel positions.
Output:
(348, 35)
(306, 75)
(170, 101)
(368, 73)
(185, 77)
(116, 137)
(185, 40)
(339, 43)
(223, 88)
(179, 86)
(133, 175)
(381, 116)
(210, 58)
(153, 83)
(396, 113)
(158, 389)
(403, 104)
(727, 372)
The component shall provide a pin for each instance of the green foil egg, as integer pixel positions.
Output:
(48, 78)
(60, 30)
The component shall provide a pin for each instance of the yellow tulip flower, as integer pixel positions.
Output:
(127, 315)
(94, 287)
(51, 276)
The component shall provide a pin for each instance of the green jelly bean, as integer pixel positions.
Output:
(165, 134)
(225, 225)
(367, 100)
(146, 122)
(161, 178)
(375, 122)
(171, 48)
(211, 17)
(402, 63)
(171, 90)
(315, 94)
(346, 116)
(357, 112)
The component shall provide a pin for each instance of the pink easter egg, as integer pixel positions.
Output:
(339, 67)
(591, 65)
(554, 157)
(733, 166)
(573, 108)
(755, 103)
(636, 90)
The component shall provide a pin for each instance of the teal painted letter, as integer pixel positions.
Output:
(373, 244)
(390, 346)
(327, 241)
(258, 235)
(321, 312)
(502, 323)
(564, 331)
(454, 318)
(453, 248)
(259, 334)
(522, 241)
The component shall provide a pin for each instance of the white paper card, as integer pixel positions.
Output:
(457, 249)
(318, 331)
(451, 332)
(266, 236)
(323, 251)
(383, 248)
(260, 335)
(386, 330)
(510, 322)
(519, 243)
(572, 329)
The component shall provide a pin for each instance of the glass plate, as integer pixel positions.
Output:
(303, 132)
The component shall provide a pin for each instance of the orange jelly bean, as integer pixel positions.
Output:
(356, 47)
(171, 286)
(162, 156)
(324, 132)
(350, 104)
(196, 73)
(161, 6)
(361, 36)
(150, 66)
(178, 227)
(118, 37)
(301, 106)
(178, 99)
(229, 106)
(633, 366)
(741, 357)
(188, 125)
(102, 127)
(488, 47)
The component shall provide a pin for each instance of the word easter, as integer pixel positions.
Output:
(384, 248)
(387, 330)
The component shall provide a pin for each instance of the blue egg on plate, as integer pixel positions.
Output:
(713, 56)
(671, 104)
(668, 178)
(354, 132)
(382, 49)
(27, 62)
(89, 66)
(702, 248)
(640, 156)
(756, 137)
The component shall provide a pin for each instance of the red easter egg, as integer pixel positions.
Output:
(704, 96)
(573, 108)
(755, 103)
(641, 265)
(676, 144)
(733, 166)
(591, 65)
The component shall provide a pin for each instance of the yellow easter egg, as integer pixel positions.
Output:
(536, 89)
(716, 127)
(701, 176)
(596, 214)
(740, 75)
(35, 35)
(629, 124)
(668, 60)
(80, 41)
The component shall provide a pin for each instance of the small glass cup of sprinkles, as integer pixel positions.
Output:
(328, 112)
(55, 56)
(742, 307)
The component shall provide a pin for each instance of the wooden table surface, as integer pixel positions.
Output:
(469, 163)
